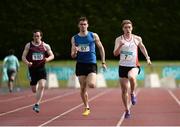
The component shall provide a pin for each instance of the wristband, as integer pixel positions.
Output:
(148, 58)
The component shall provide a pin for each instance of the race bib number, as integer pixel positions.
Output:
(84, 48)
(126, 55)
(37, 56)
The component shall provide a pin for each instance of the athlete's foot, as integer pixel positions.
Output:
(127, 114)
(36, 108)
(86, 112)
(133, 99)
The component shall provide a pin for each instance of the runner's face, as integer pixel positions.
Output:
(83, 25)
(37, 37)
(127, 28)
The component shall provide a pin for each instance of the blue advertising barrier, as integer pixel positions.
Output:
(63, 73)
(171, 71)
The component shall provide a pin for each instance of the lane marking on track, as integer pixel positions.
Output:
(47, 100)
(174, 97)
(15, 98)
(12, 99)
(72, 109)
(122, 117)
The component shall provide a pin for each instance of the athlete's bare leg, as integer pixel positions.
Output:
(10, 83)
(91, 80)
(84, 94)
(10, 86)
(132, 78)
(40, 90)
(125, 96)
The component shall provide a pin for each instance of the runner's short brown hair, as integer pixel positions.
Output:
(83, 18)
(37, 30)
(126, 22)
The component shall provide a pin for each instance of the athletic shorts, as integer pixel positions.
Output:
(10, 73)
(123, 71)
(37, 74)
(85, 68)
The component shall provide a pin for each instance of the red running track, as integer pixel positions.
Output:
(63, 107)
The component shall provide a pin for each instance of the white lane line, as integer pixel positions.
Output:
(122, 117)
(174, 97)
(12, 99)
(15, 98)
(47, 100)
(71, 109)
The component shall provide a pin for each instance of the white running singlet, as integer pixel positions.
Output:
(129, 52)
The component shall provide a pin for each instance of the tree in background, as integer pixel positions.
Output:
(157, 21)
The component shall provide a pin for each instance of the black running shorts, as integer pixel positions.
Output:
(37, 74)
(10, 73)
(85, 68)
(123, 71)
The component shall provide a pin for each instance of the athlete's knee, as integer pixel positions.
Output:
(41, 87)
(33, 90)
(91, 85)
(83, 92)
(11, 80)
(132, 78)
(133, 73)
(41, 84)
(124, 91)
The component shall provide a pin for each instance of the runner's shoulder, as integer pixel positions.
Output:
(137, 37)
(46, 46)
(119, 39)
(27, 45)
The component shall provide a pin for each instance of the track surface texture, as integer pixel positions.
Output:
(63, 107)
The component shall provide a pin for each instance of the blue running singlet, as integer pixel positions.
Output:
(86, 45)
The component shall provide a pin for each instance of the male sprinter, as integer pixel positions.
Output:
(35, 56)
(83, 47)
(126, 46)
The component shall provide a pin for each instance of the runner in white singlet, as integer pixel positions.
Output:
(129, 52)
(127, 46)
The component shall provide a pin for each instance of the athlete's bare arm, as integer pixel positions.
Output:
(143, 49)
(100, 47)
(74, 49)
(118, 45)
(50, 54)
(25, 52)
